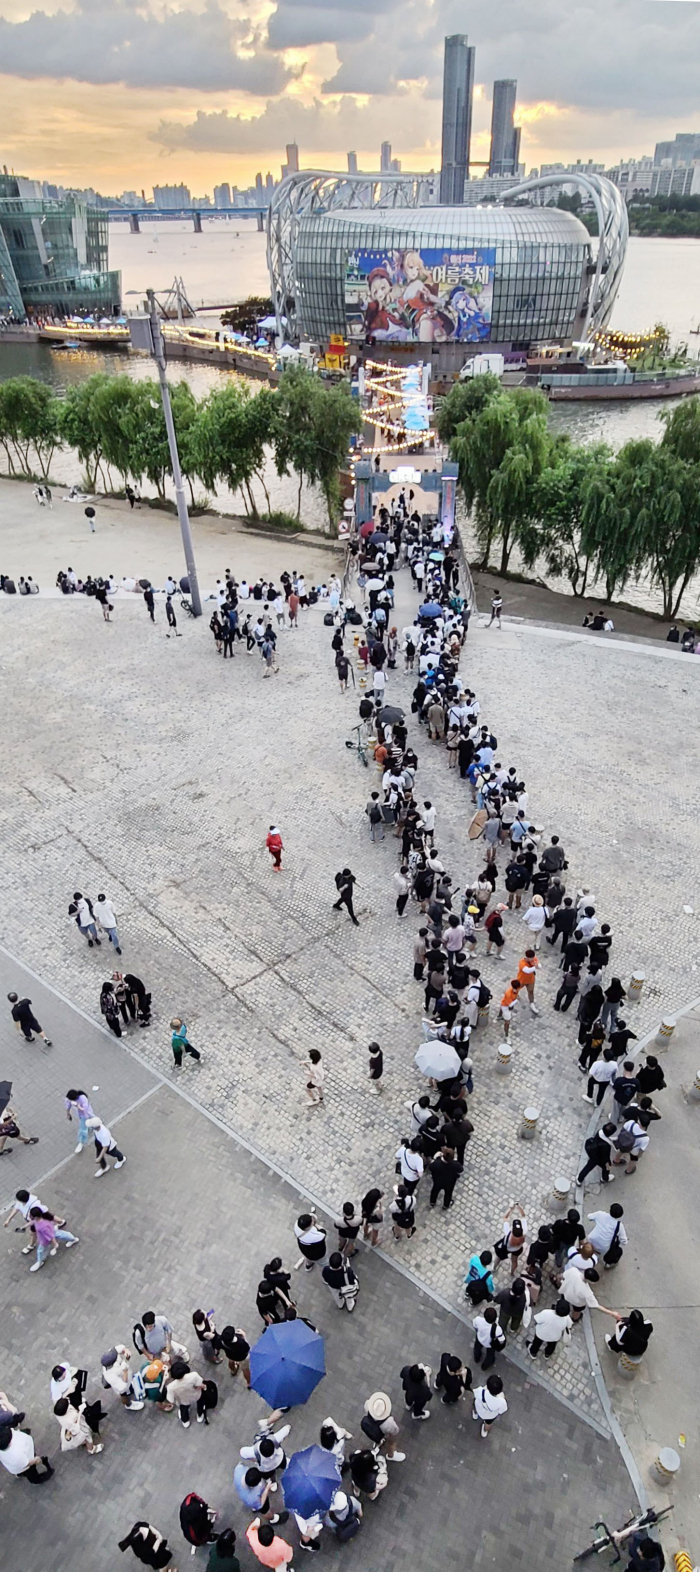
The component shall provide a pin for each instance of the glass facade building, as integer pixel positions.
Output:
(53, 256)
(362, 257)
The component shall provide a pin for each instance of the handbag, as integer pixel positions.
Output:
(613, 1253)
(500, 1248)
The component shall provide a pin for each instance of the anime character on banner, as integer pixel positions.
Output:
(425, 296)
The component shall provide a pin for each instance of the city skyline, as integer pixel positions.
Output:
(116, 98)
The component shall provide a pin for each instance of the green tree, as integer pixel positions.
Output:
(312, 430)
(664, 501)
(502, 453)
(28, 419)
(146, 436)
(78, 426)
(682, 431)
(562, 498)
(115, 405)
(230, 433)
(464, 401)
(606, 535)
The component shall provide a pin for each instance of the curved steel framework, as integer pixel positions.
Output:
(317, 191)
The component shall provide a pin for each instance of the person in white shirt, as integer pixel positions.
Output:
(311, 1239)
(588, 923)
(420, 1111)
(578, 1292)
(411, 1164)
(489, 1404)
(607, 1226)
(278, 608)
(86, 922)
(104, 912)
(490, 1338)
(116, 1371)
(244, 590)
(581, 1256)
(170, 585)
(18, 1457)
(635, 1131)
(601, 1074)
(23, 1203)
(105, 1146)
(429, 816)
(535, 917)
(551, 1326)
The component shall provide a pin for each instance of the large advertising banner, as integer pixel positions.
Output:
(420, 296)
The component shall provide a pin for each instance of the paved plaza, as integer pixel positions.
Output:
(188, 1222)
(151, 769)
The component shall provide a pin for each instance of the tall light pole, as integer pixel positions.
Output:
(146, 334)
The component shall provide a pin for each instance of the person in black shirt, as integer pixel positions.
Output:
(566, 1231)
(620, 1038)
(563, 922)
(348, 1230)
(599, 1153)
(417, 1393)
(457, 1131)
(512, 1303)
(517, 879)
(593, 1045)
(445, 1170)
(650, 1076)
(236, 1347)
(345, 883)
(25, 1020)
(541, 1247)
(599, 946)
(575, 950)
(589, 1011)
(568, 989)
(453, 1378)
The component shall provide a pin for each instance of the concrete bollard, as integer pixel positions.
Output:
(694, 1090)
(628, 1365)
(665, 1032)
(483, 1016)
(560, 1191)
(682, 1561)
(504, 1059)
(528, 1128)
(636, 984)
(356, 640)
(665, 1466)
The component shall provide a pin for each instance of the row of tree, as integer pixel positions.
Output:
(590, 515)
(116, 426)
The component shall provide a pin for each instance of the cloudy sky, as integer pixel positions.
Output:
(125, 93)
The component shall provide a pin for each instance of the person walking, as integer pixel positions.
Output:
(348, 1229)
(26, 1021)
(608, 1235)
(342, 1280)
(180, 1042)
(551, 1326)
(150, 1547)
(150, 602)
(496, 609)
(81, 909)
(410, 1163)
(78, 1102)
(345, 884)
(593, 1048)
(222, 1556)
(267, 1453)
(10, 1131)
(568, 989)
(315, 1077)
(374, 814)
(184, 1388)
(598, 1150)
(509, 1004)
(528, 968)
(18, 1457)
(415, 1380)
(105, 1146)
(376, 1068)
(403, 1213)
(403, 889)
(601, 1074)
(489, 1404)
(46, 1230)
(372, 1215)
(490, 1338)
(275, 847)
(311, 1240)
(172, 619)
(577, 1289)
(631, 1141)
(116, 1373)
(614, 995)
(512, 1303)
(267, 1546)
(104, 912)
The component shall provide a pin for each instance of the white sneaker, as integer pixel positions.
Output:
(96, 1449)
(132, 1407)
(185, 1424)
(70, 1242)
(585, 1098)
(397, 1457)
(36, 1267)
(100, 1172)
(78, 1148)
(200, 1419)
(121, 1163)
(533, 1011)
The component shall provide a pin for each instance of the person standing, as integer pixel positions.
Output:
(105, 1146)
(275, 847)
(184, 1388)
(267, 1546)
(601, 1074)
(150, 602)
(415, 1380)
(150, 1547)
(236, 1349)
(345, 884)
(445, 1170)
(551, 1326)
(496, 609)
(104, 913)
(509, 1004)
(315, 1077)
(490, 1338)
(80, 1102)
(75, 1429)
(453, 1379)
(311, 1240)
(403, 889)
(180, 1042)
(374, 814)
(26, 1021)
(512, 1303)
(81, 909)
(577, 1290)
(18, 1457)
(528, 968)
(489, 1404)
(172, 619)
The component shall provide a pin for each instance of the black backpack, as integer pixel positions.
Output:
(375, 814)
(328, 619)
(347, 1528)
(484, 994)
(372, 1429)
(355, 618)
(138, 1337)
(210, 1395)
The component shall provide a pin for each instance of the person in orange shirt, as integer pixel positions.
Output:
(269, 1548)
(528, 968)
(508, 1004)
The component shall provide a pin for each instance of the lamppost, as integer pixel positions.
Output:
(146, 334)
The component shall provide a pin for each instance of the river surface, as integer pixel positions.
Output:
(227, 262)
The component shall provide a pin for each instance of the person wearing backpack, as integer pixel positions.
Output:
(345, 884)
(490, 1338)
(344, 1516)
(374, 814)
(608, 1235)
(631, 1141)
(380, 1427)
(339, 1276)
(478, 1278)
(598, 1149)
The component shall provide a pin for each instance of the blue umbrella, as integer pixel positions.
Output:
(287, 1362)
(430, 608)
(310, 1481)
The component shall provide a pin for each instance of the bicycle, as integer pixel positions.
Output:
(356, 745)
(613, 1538)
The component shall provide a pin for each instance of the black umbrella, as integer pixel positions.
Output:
(89, 513)
(144, 584)
(379, 537)
(5, 1094)
(391, 715)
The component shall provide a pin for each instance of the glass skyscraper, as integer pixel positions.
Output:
(457, 95)
(505, 137)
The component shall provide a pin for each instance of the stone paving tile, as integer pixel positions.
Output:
(188, 1221)
(157, 778)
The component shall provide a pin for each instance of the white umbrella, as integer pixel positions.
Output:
(438, 1060)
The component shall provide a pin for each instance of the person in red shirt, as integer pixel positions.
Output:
(275, 848)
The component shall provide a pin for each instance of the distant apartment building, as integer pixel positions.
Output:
(292, 158)
(352, 163)
(222, 195)
(684, 149)
(505, 136)
(169, 198)
(385, 158)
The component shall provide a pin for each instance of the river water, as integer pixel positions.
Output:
(227, 262)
